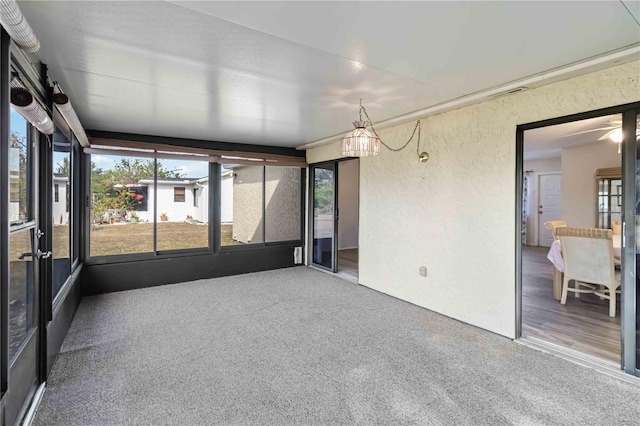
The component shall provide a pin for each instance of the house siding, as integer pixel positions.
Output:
(455, 214)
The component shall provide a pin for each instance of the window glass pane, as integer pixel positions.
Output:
(637, 241)
(282, 203)
(21, 290)
(19, 179)
(241, 196)
(75, 200)
(184, 220)
(178, 194)
(121, 215)
(60, 210)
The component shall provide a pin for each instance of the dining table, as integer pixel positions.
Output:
(555, 257)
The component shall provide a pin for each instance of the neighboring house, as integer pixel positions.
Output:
(60, 211)
(178, 198)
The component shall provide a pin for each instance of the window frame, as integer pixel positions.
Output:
(178, 194)
(252, 246)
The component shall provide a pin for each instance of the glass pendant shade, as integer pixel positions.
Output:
(360, 142)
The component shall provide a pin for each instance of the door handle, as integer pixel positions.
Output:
(43, 254)
(23, 255)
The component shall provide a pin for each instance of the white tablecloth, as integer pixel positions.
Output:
(555, 252)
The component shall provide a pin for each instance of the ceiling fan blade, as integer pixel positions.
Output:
(592, 130)
(607, 135)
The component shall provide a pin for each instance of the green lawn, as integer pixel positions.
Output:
(138, 237)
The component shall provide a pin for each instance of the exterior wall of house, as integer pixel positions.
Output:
(247, 204)
(60, 214)
(455, 213)
(282, 201)
(226, 197)
(579, 165)
(176, 212)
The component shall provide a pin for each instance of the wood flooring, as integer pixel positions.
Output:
(582, 324)
(348, 262)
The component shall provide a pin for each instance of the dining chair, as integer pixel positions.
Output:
(589, 262)
(552, 225)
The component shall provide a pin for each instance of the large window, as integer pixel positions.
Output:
(260, 204)
(283, 197)
(19, 170)
(22, 312)
(60, 211)
(184, 225)
(118, 225)
(143, 205)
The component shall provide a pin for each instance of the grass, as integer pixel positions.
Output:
(126, 239)
(138, 237)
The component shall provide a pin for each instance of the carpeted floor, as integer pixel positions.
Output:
(297, 346)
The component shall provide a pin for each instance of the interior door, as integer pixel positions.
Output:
(549, 196)
(23, 268)
(324, 230)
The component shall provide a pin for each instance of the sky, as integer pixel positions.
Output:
(187, 168)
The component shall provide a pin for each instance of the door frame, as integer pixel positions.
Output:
(13, 57)
(309, 233)
(334, 250)
(537, 220)
(628, 314)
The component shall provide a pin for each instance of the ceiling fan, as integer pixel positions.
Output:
(614, 125)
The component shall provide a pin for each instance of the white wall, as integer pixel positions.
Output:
(537, 167)
(455, 213)
(176, 212)
(579, 165)
(348, 200)
(226, 197)
(201, 212)
(59, 213)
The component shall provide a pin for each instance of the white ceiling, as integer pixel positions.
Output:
(548, 142)
(288, 73)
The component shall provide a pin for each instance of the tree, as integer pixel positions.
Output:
(110, 187)
(132, 171)
(18, 173)
(64, 167)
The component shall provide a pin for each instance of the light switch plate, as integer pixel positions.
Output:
(423, 271)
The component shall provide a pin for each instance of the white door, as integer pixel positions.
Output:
(549, 195)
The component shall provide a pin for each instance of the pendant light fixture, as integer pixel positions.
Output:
(361, 142)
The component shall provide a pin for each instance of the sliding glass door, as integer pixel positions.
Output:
(23, 256)
(324, 232)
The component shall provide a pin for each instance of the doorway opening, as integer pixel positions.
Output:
(335, 217)
(572, 180)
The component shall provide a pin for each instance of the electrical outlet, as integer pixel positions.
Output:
(423, 271)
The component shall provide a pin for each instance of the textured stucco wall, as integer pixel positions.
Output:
(282, 201)
(282, 192)
(455, 214)
(247, 204)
